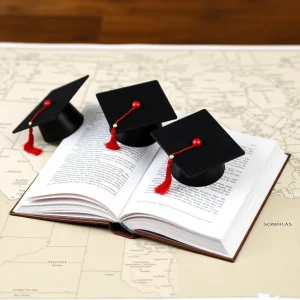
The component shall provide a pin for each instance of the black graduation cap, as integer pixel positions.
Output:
(199, 148)
(133, 112)
(56, 117)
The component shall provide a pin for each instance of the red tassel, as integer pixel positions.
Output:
(164, 187)
(112, 144)
(29, 147)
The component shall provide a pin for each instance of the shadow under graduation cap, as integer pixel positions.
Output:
(133, 112)
(55, 116)
(199, 148)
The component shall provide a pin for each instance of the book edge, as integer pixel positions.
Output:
(261, 207)
(53, 218)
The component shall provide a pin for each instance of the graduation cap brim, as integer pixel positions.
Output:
(200, 165)
(135, 129)
(60, 98)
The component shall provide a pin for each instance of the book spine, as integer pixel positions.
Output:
(121, 229)
(126, 228)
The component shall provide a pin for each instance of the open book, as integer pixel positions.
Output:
(83, 182)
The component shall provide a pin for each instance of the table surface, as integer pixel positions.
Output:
(253, 90)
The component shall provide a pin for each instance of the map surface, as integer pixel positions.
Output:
(253, 91)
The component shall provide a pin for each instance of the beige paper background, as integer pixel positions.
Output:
(256, 92)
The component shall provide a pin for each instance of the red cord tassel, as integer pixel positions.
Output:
(112, 144)
(164, 187)
(29, 147)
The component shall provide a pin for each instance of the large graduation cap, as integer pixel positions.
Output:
(55, 116)
(133, 112)
(199, 148)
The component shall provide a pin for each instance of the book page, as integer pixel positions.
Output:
(82, 165)
(204, 209)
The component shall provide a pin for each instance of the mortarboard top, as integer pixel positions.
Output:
(134, 129)
(203, 163)
(57, 118)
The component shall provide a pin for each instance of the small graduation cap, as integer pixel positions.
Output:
(133, 112)
(55, 116)
(198, 148)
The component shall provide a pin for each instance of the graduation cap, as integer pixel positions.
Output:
(133, 112)
(198, 148)
(55, 116)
